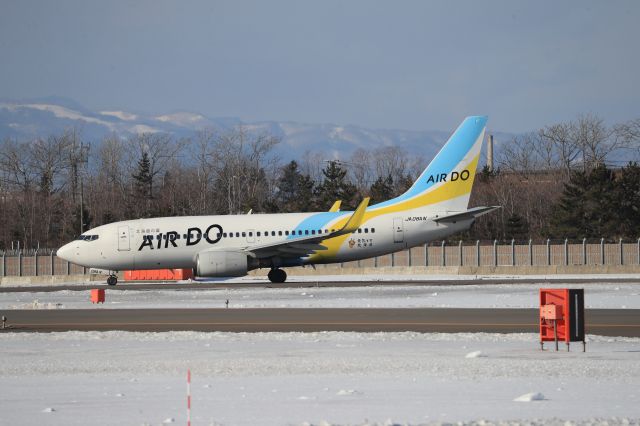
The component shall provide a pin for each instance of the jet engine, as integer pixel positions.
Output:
(219, 263)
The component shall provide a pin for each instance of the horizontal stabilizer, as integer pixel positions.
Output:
(469, 214)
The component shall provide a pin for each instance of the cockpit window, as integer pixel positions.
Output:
(87, 238)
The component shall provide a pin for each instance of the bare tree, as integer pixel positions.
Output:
(15, 167)
(49, 159)
(238, 163)
(390, 161)
(629, 133)
(526, 154)
(203, 155)
(595, 139)
(561, 137)
(312, 165)
(160, 148)
(360, 169)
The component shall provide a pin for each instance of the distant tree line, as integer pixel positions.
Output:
(559, 182)
(553, 183)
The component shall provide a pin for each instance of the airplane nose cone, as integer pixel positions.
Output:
(65, 252)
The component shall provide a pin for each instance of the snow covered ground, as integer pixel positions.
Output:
(612, 295)
(80, 378)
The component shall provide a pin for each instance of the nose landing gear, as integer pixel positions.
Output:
(277, 276)
(112, 280)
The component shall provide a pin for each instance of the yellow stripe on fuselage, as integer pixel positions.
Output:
(444, 192)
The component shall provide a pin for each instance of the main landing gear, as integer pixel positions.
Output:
(112, 280)
(277, 276)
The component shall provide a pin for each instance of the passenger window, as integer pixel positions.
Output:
(230, 234)
(251, 234)
(224, 235)
(313, 232)
(366, 230)
(258, 233)
(244, 234)
(237, 235)
(359, 231)
(273, 233)
(299, 231)
(280, 233)
(373, 230)
(286, 232)
(306, 232)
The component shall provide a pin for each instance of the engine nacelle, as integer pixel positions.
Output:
(218, 263)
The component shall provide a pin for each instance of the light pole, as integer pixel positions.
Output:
(79, 157)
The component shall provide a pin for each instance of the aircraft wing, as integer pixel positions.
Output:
(469, 214)
(308, 244)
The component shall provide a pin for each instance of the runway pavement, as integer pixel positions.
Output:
(608, 322)
(208, 285)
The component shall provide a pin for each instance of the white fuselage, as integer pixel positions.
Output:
(174, 242)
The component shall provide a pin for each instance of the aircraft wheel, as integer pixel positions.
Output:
(112, 280)
(277, 276)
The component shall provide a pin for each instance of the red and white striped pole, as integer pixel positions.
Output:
(189, 397)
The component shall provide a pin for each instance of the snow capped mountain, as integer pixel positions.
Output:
(185, 119)
(46, 116)
(124, 116)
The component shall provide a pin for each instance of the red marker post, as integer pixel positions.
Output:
(189, 397)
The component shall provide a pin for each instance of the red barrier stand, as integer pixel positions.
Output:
(97, 295)
(158, 274)
(562, 316)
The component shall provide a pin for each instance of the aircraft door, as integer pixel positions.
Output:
(398, 230)
(123, 238)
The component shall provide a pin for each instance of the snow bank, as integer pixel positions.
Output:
(528, 397)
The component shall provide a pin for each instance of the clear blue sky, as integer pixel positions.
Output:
(395, 64)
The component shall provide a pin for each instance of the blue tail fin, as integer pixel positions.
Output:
(446, 183)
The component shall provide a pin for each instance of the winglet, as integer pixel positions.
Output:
(335, 207)
(355, 220)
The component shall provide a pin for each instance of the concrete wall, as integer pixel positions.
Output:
(50, 279)
(462, 270)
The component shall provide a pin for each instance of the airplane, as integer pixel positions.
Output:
(434, 207)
